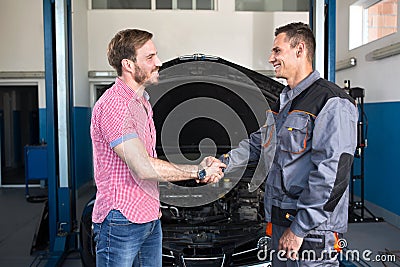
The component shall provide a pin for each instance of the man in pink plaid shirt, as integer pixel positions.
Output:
(126, 212)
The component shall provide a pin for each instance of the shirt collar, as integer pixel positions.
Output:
(129, 92)
(304, 84)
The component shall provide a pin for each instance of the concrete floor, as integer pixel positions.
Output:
(18, 225)
(371, 240)
(20, 218)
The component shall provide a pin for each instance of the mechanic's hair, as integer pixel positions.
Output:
(297, 32)
(124, 45)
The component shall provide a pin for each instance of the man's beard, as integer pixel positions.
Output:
(141, 77)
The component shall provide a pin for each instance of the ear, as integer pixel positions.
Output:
(301, 49)
(127, 65)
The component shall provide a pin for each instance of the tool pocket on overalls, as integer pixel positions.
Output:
(313, 247)
(268, 133)
(294, 133)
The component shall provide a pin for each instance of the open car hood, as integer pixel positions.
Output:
(206, 105)
(208, 98)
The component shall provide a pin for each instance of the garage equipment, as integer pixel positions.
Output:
(35, 164)
(357, 208)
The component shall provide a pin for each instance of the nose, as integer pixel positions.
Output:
(158, 62)
(271, 58)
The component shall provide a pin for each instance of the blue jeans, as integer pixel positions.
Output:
(122, 243)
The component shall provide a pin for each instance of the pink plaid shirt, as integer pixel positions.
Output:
(119, 115)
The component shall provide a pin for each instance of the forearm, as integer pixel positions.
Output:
(133, 153)
(148, 168)
(166, 171)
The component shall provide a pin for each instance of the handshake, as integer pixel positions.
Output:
(211, 170)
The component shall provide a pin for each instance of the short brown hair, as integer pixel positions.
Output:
(124, 45)
(296, 32)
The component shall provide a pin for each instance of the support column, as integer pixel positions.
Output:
(61, 209)
(323, 23)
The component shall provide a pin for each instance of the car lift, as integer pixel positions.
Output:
(60, 219)
(357, 208)
(61, 210)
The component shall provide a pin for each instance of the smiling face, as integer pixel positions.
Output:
(283, 57)
(290, 60)
(147, 64)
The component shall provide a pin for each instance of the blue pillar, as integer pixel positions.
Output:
(322, 19)
(58, 80)
(49, 54)
(331, 42)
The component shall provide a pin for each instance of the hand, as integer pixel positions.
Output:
(290, 243)
(208, 161)
(213, 167)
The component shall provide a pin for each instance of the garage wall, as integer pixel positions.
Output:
(380, 79)
(21, 27)
(81, 107)
(21, 45)
(241, 37)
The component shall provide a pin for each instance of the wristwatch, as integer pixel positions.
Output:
(201, 174)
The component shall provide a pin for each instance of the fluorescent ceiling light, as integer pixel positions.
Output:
(386, 51)
(102, 74)
(21, 74)
(346, 63)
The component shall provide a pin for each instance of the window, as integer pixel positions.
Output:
(121, 4)
(272, 5)
(185, 4)
(371, 20)
(164, 4)
(159, 4)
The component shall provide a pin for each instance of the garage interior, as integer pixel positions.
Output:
(47, 103)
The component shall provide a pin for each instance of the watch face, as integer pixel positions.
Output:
(202, 174)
